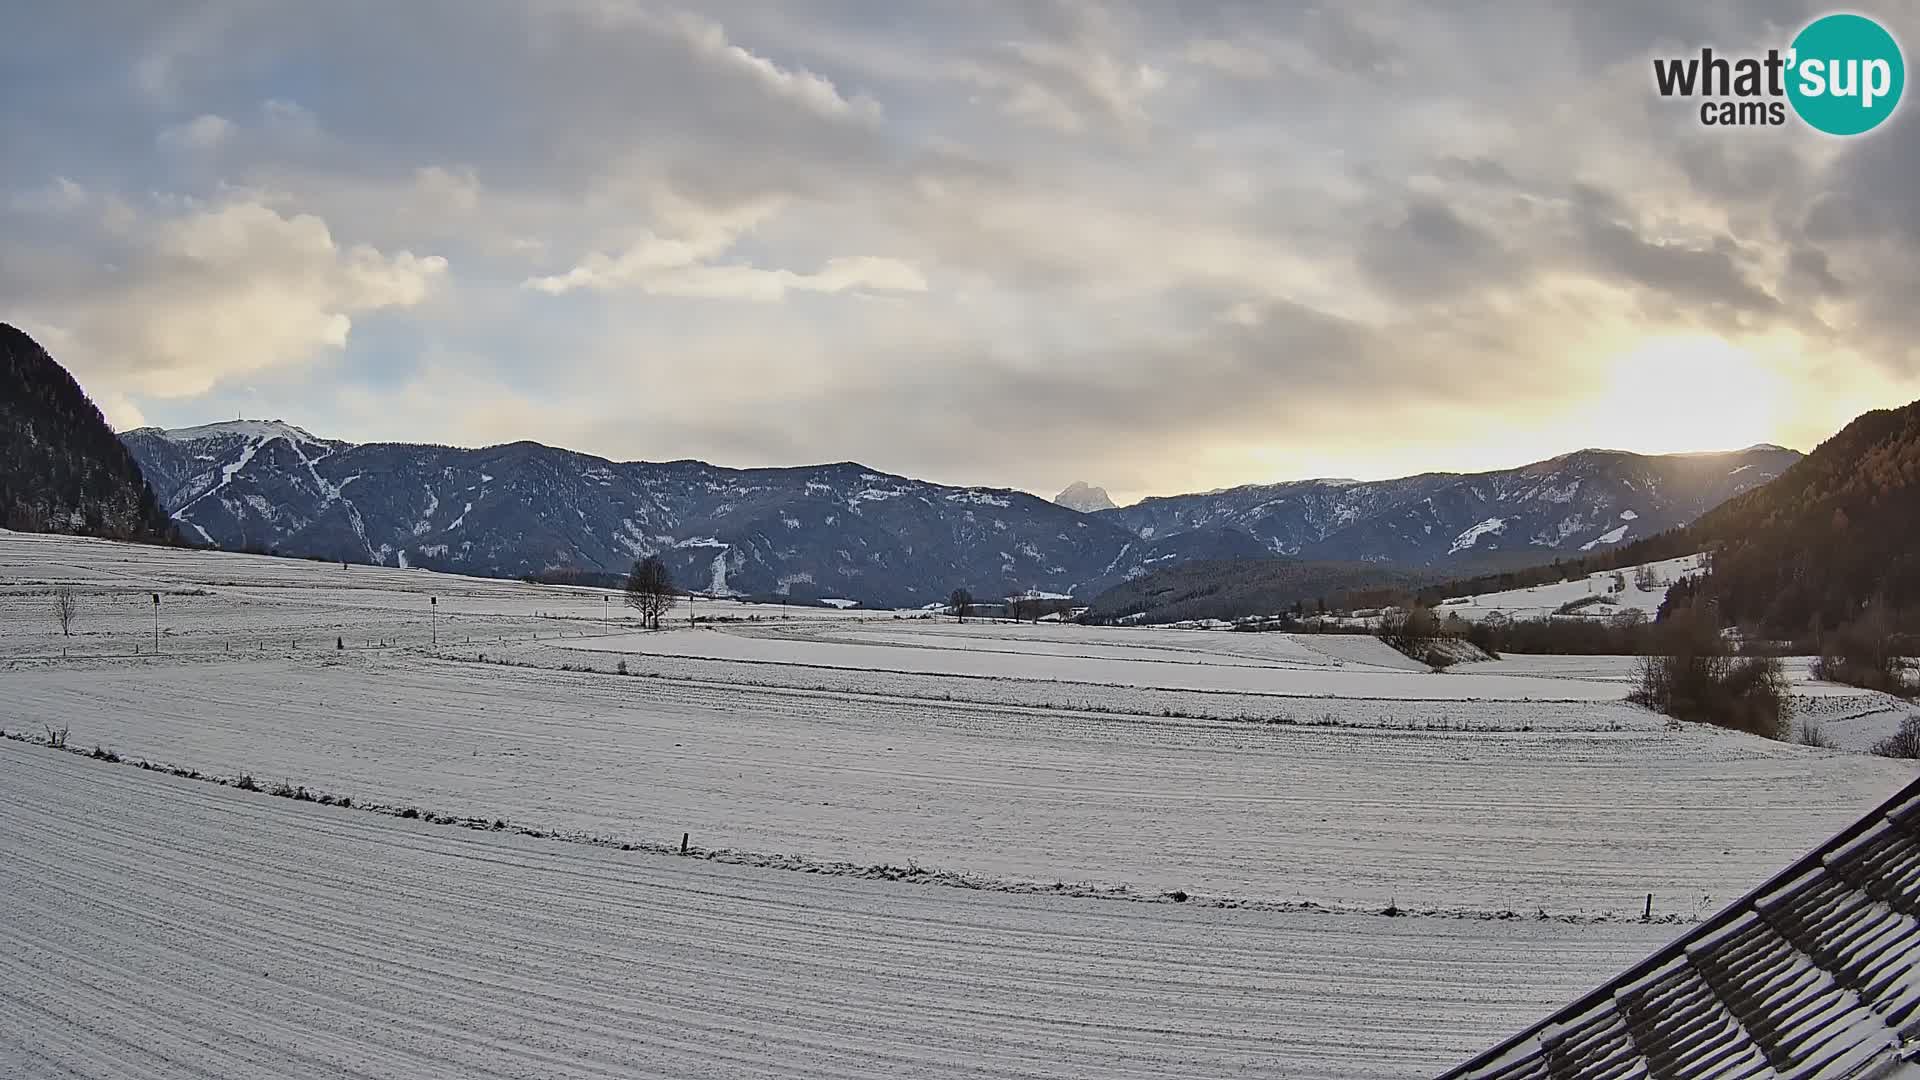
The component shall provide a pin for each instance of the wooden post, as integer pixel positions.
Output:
(1648, 917)
(683, 843)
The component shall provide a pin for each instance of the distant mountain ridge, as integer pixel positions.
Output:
(847, 531)
(824, 531)
(1576, 502)
(61, 468)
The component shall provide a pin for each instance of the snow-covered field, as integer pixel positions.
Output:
(216, 602)
(922, 848)
(1380, 673)
(1595, 593)
(166, 928)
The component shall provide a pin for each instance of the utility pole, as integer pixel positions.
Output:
(156, 622)
(433, 619)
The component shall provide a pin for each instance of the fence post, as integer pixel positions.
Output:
(683, 843)
(1648, 917)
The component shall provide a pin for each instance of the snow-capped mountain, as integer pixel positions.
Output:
(1084, 498)
(844, 530)
(1577, 502)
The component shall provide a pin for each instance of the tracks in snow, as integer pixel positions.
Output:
(155, 927)
(1570, 822)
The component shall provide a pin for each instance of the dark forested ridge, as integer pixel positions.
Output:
(1835, 534)
(62, 469)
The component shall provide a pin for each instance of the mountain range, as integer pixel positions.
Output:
(1578, 502)
(847, 531)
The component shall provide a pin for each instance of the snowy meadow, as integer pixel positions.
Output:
(526, 838)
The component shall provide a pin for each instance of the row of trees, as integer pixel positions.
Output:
(960, 604)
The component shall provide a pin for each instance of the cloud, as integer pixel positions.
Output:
(683, 264)
(206, 292)
(1230, 57)
(802, 87)
(456, 190)
(203, 132)
(1156, 247)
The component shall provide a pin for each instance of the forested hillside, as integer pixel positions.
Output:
(62, 469)
(1837, 534)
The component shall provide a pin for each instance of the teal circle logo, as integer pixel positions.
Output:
(1846, 74)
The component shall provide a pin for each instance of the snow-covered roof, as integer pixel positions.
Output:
(1815, 974)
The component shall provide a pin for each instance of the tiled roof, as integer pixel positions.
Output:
(1814, 975)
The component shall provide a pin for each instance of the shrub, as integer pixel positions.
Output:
(1812, 734)
(621, 668)
(1904, 743)
(1696, 680)
(1574, 607)
(1410, 631)
(245, 783)
(56, 738)
(1863, 653)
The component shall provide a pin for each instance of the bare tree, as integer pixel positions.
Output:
(65, 606)
(959, 603)
(650, 590)
(1645, 579)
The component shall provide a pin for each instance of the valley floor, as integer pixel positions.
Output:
(916, 847)
(170, 928)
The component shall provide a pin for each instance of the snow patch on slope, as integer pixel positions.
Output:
(1492, 526)
(1611, 536)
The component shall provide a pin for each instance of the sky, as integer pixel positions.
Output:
(1159, 247)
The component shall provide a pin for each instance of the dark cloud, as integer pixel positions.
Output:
(1431, 251)
(1701, 275)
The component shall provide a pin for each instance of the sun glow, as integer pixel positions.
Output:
(1679, 393)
